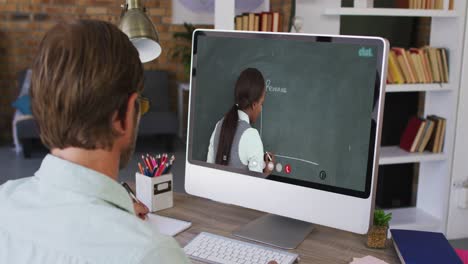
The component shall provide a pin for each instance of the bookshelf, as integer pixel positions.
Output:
(419, 87)
(350, 11)
(415, 219)
(395, 155)
(225, 12)
(435, 169)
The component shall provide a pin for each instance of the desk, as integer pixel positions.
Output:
(323, 245)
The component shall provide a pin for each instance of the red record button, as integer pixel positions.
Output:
(287, 168)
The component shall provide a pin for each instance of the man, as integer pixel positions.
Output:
(86, 84)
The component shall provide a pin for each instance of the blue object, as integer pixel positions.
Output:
(416, 247)
(148, 172)
(23, 104)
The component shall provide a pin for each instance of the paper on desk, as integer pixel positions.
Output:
(166, 225)
(367, 260)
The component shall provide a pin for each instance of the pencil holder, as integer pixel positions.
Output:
(154, 192)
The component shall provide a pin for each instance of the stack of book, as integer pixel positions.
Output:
(424, 134)
(423, 4)
(265, 21)
(424, 65)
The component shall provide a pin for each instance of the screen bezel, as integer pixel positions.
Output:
(375, 127)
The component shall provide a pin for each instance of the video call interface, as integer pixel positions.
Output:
(319, 114)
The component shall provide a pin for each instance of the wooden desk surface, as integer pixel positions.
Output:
(323, 245)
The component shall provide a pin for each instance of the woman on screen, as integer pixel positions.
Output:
(234, 142)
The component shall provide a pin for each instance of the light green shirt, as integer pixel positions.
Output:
(67, 213)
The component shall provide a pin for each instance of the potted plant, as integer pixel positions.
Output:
(377, 236)
(183, 50)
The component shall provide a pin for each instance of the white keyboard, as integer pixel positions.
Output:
(211, 248)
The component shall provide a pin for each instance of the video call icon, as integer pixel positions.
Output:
(323, 175)
(279, 167)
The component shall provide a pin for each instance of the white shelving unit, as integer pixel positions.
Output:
(225, 12)
(419, 87)
(435, 170)
(396, 155)
(447, 30)
(415, 218)
(349, 11)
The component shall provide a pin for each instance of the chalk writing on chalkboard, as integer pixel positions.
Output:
(273, 89)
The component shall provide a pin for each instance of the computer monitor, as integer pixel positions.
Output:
(321, 118)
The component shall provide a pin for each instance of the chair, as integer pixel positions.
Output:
(159, 121)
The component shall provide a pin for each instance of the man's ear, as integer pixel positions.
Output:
(123, 123)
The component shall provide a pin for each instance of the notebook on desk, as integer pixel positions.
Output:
(423, 247)
(166, 225)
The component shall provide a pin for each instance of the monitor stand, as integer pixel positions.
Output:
(275, 230)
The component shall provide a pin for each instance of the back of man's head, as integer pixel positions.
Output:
(83, 74)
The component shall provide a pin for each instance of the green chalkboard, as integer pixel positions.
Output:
(318, 108)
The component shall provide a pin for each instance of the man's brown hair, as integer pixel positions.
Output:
(84, 72)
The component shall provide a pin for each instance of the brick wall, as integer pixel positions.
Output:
(24, 22)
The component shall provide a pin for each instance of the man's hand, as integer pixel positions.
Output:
(140, 210)
(269, 159)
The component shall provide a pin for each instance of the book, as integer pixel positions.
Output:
(403, 63)
(427, 66)
(412, 66)
(269, 21)
(434, 140)
(423, 247)
(419, 4)
(238, 23)
(417, 139)
(245, 21)
(445, 65)
(419, 58)
(402, 3)
(410, 133)
(440, 64)
(432, 55)
(275, 27)
(395, 69)
(390, 78)
(257, 22)
(429, 4)
(442, 135)
(251, 17)
(264, 21)
(426, 135)
(436, 64)
(414, 54)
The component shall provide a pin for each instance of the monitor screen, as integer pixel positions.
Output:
(318, 114)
